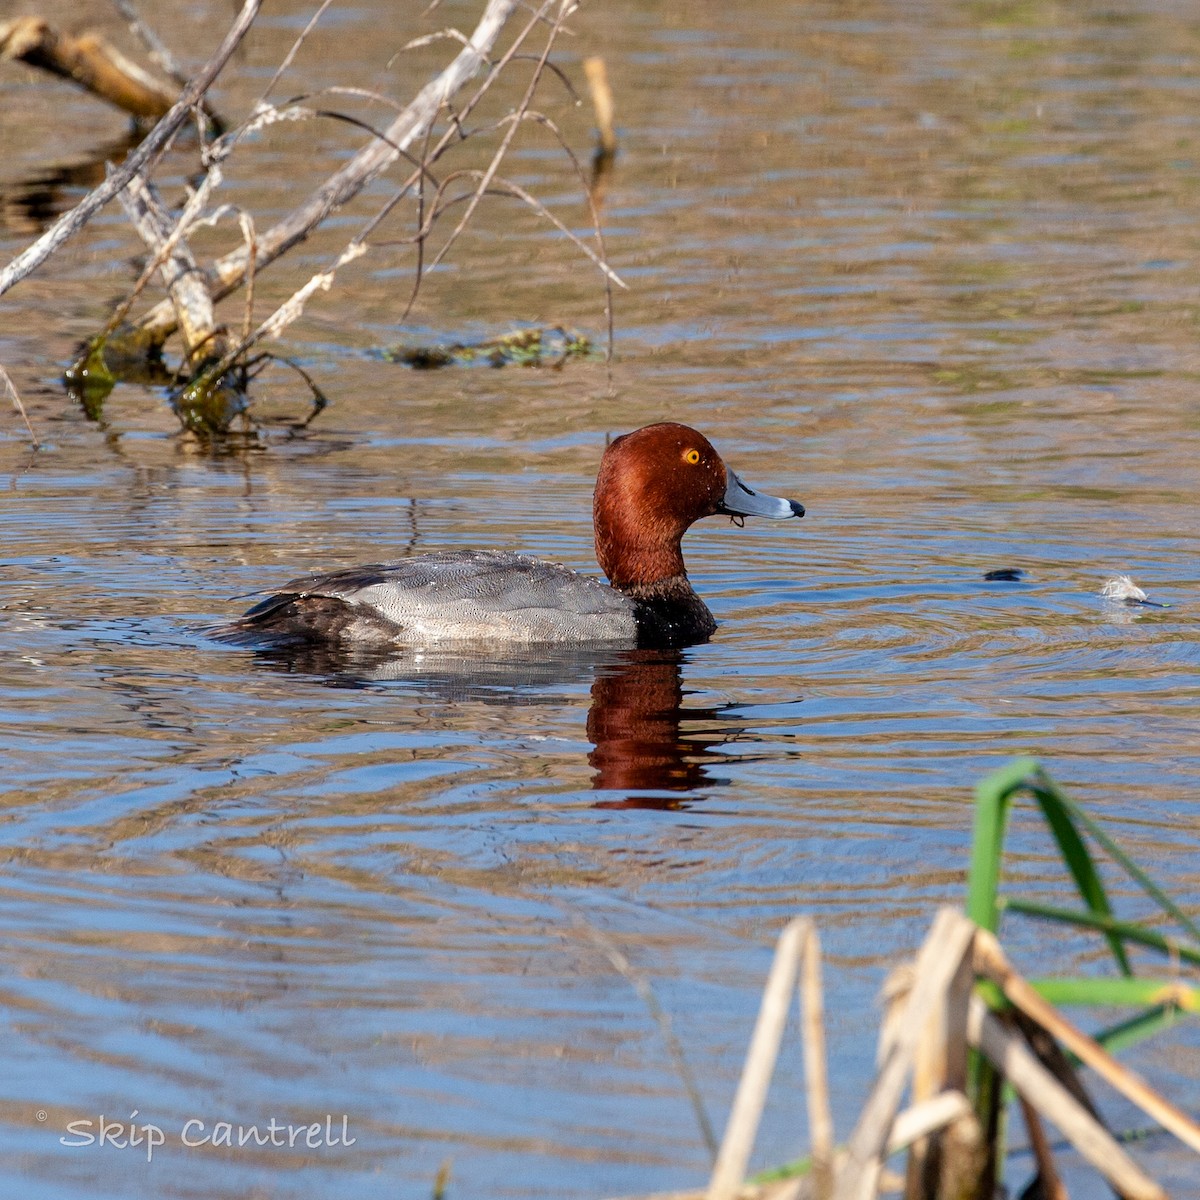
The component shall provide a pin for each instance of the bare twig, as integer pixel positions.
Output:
(157, 49)
(456, 133)
(74, 220)
(429, 38)
(641, 985)
(501, 187)
(291, 308)
(15, 396)
(291, 54)
(498, 157)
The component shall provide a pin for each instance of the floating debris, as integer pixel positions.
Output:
(1122, 590)
(1005, 575)
(522, 348)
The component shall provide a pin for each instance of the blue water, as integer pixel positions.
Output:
(929, 272)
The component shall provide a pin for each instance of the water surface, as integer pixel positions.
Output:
(929, 268)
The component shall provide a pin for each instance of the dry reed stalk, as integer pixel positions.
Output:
(788, 1189)
(1052, 1185)
(816, 1076)
(938, 963)
(137, 162)
(1009, 1052)
(992, 963)
(640, 984)
(895, 992)
(919, 1121)
(734, 1154)
(940, 1065)
(962, 1158)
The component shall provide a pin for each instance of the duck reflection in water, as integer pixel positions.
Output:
(635, 725)
(637, 722)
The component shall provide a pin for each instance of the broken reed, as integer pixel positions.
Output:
(964, 1031)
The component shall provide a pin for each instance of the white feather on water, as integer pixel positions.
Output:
(1122, 587)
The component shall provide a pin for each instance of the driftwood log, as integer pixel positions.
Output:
(90, 62)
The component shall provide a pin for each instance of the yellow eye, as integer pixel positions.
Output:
(691, 456)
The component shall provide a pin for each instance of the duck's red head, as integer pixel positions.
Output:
(652, 485)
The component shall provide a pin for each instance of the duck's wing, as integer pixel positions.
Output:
(466, 595)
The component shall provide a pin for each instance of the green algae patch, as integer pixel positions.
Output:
(126, 355)
(550, 347)
(208, 402)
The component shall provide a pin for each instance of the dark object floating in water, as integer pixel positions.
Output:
(1123, 590)
(1005, 575)
(522, 348)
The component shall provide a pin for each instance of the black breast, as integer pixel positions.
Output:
(670, 614)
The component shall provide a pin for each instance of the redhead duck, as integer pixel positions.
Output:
(653, 484)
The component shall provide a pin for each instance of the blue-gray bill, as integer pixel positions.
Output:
(742, 501)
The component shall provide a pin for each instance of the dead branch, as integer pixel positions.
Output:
(90, 62)
(181, 273)
(229, 272)
(156, 141)
(293, 307)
